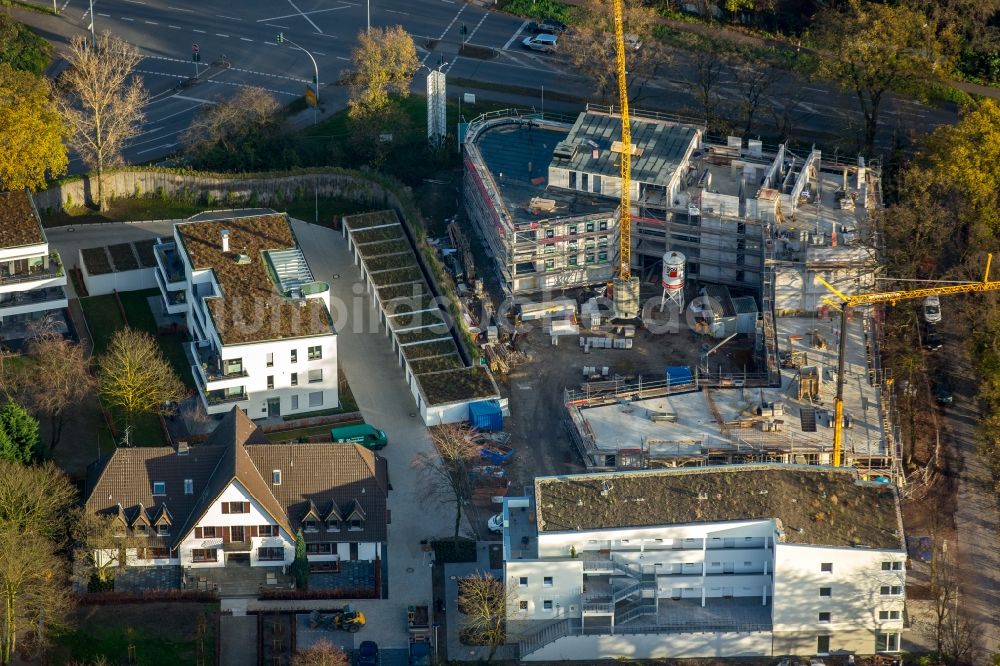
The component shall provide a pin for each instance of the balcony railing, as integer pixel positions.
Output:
(213, 369)
(39, 272)
(220, 397)
(19, 298)
(172, 267)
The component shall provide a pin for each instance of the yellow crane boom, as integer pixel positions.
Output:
(625, 213)
(849, 301)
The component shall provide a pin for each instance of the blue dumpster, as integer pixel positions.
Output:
(679, 375)
(486, 415)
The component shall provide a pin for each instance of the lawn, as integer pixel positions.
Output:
(140, 317)
(128, 209)
(163, 634)
(103, 319)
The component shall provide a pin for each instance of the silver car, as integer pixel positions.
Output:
(544, 43)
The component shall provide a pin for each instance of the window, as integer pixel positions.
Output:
(547, 605)
(589, 258)
(550, 249)
(276, 477)
(270, 382)
(237, 533)
(319, 548)
(140, 529)
(356, 525)
(825, 591)
(826, 567)
(890, 590)
(597, 184)
(271, 554)
(887, 642)
(163, 530)
(602, 257)
(189, 486)
(295, 356)
(295, 379)
(236, 507)
(206, 533)
(333, 525)
(547, 581)
(295, 402)
(889, 615)
(310, 526)
(270, 359)
(159, 487)
(316, 399)
(522, 605)
(824, 617)
(590, 226)
(550, 264)
(315, 353)
(572, 261)
(822, 645)
(572, 229)
(267, 530)
(156, 553)
(550, 233)
(204, 555)
(892, 566)
(315, 376)
(572, 180)
(522, 581)
(585, 182)
(604, 225)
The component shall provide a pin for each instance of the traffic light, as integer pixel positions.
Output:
(281, 37)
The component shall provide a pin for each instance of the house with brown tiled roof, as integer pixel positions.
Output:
(32, 278)
(262, 334)
(239, 500)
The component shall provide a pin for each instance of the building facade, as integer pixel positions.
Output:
(239, 500)
(749, 560)
(32, 277)
(262, 335)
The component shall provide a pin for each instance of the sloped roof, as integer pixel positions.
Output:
(346, 475)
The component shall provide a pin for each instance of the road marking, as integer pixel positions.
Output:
(343, 58)
(65, 5)
(166, 145)
(104, 15)
(514, 36)
(125, 18)
(319, 53)
(393, 11)
(819, 90)
(275, 25)
(219, 34)
(445, 32)
(272, 76)
(197, 30)
(174, 27)
(245, 39)
(155, 129)
(180, 9)
(136, 2)
(152, 23)
(231, 18)
(315, 27)
(468, 38)
(189, 99)
(303, 15)
(270, 43)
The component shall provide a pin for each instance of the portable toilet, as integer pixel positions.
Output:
(486, 415)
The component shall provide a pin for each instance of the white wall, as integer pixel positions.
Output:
(134, 280)
(215, 518)
(655, 646)
(567, 586)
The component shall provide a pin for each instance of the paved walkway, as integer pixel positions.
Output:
(238, 640)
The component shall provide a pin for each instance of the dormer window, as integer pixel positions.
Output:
(333, 525)
(310, 526)
(163, 530)
(159, 487)
(357, 525)
(140, 529)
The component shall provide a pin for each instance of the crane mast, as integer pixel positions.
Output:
(625, 288)
(847, 302)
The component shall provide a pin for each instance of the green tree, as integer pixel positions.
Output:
(31, 131)
(18, 434)
(870, 49)
(385, 61)
(21, 47)
(300, 565)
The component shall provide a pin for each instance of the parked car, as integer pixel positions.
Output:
(368, 653)
(545, 43)
(942, 390)
(548, 26)
(932, 339)
(932, 310)
(495, 524)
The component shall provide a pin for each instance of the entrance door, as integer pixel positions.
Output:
(354, 551)
(273, 407)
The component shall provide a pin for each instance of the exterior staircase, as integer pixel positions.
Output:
(548, 634)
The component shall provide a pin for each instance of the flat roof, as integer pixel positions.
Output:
(662, 145)
(252, 308)
(814, 505)
(19, 224)
(518, 156)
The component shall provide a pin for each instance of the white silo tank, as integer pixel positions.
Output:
(673, 279)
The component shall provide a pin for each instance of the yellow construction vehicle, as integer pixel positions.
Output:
(625, 288)
(845, 303)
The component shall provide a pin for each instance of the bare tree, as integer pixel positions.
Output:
(385, 61)
(788, 113)
(134, 376)
(58, 380)
(36, 500)
(102, 549)
(447, 473)
(962, 645)
(753, 81)
(704, 78)
(101, 101)
(483, 599)
(225, 124)
(590, 45)
(321, 653)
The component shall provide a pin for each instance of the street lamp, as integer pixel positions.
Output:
(368, 5)
(93, 38)
(281, 40)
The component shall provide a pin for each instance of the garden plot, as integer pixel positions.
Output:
(366, 220)
(414, 317)
(393, 246)
(123, 257)
(426, 349)
(377, 235)
(95, 260)
(457, 385)
(396, 276)
(394, 297)
(436, 364)
(385, 261)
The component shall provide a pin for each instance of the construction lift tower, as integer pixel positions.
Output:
(847, 302)
(624, 288)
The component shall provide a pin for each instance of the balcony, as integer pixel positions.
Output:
(170, 264)
(225, 396)
(34, 272)
(22, 302)
(212, 367)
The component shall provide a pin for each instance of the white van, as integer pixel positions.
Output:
(543, 42)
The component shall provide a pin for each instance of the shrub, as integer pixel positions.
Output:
(454, 550)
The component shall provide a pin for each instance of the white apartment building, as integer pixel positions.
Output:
(32, 278)
(729, 561)
(239, 500)
(263, 337)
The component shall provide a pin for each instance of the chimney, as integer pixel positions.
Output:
(225, 240)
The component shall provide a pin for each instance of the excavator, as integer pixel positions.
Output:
(344, 619)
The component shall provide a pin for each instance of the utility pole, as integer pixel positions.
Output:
(281, 40)
(368, 5)
(93, 37)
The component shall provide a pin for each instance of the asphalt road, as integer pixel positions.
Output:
(245, 36)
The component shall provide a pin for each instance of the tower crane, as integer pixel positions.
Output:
(625, 288)
(855, 300)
